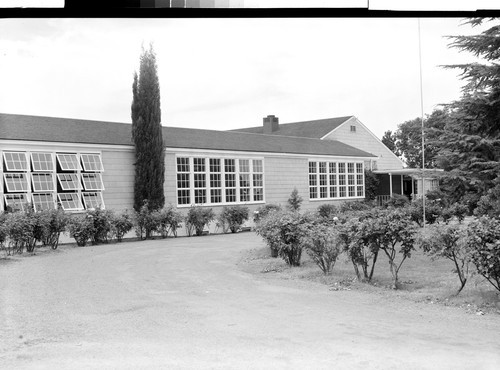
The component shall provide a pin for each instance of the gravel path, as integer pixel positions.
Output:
(188, 303)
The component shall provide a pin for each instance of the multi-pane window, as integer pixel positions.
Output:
(42, 182)
(219, 180)
(92, 181)
(39, 176)
(183, 183)
(215, 180)
(91, 162)
(332, 180)
(92, 200)
(16, 202)
(70, 201)
(42, 162)
(43, 202)
(200, 181)
(68, 181)
(15, 161)
(68, 161)
(258, 180)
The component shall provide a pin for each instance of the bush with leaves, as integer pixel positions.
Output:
(233, 217)
(397, 238)
(102, 225)
(483, 237)
(146, 222)
(197, 218)
(371, 185)
(358, 235)
(355, 206)
(323, 246)
(57, 224)
(295, 200)
(169, 220)
(415, 211)
(397, 201)
(328, 211)
(81, 228)
(448, 241)
(262, 211)
(489, 204)
(121, 224)
(20, 229)
(284, 231)
(456, 210)
(3, 230)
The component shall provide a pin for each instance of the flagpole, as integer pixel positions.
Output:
(422, 120)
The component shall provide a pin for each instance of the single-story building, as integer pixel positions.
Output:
(81, 164)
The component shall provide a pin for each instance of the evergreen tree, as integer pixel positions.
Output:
(470, 142)
(147, 134)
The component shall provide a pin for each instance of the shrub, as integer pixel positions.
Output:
(20, 229)
(81, 228)
(295, 200)
(322, 245)
(284, 231)
(371, 185)
(3, 230)
(102, 227)
(415, 211)
(397, 201)
(57, 224)
(327, 211)
(262, 211)
(120, 225)
(483, 237)
(448, 241)
(489, 204)
(233, 217)
(356, 206)
(169, 220)
(146, 222)
(457, 210)
(197, 218)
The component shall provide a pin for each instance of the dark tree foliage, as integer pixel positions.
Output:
(389, 140)
(470, 142)
(147, 134)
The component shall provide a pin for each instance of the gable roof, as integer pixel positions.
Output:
(49, 129)
(315, 129)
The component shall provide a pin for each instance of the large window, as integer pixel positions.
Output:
(72, 181)
(335, 180)
(203, 180)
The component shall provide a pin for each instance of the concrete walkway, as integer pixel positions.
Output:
(187, 303)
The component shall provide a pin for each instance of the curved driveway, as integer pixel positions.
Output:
(187, 303)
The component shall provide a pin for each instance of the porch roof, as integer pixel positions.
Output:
(413, 172)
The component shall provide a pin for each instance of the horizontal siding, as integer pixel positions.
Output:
(364, 140)
(118, 177)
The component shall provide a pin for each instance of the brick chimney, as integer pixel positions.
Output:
(271, 124)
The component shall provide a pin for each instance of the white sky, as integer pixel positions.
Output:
(229, 73)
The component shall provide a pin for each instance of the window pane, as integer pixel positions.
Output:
(215, 165)
(322, 167)
(313, 193)
(244, 165)
(359, 191)
(42, 182)
(215, 195)
(16, 202)
(16, 182)
(92, 181)
(230, 180)
(333, 167)
(199, 164)
(229, 165)
(215, 180)
(333, 192)
(15, 161)
(43, 202)
(359, 167)
(68, 162)
(93, 200)
(258, 180)
(359, 179)
(183, 196)
(182, 164)
(230, 195)
(352, 191)
(42, 162)
(92, 162)
(68, 181)
(350, 167)
(199, 180)
(183, 180)
(323, 192)
(350, 179)
(312, 167)
(69, 201)
(257, 165)
(258, 194)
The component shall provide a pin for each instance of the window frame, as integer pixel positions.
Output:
(7, 162)
(61, 202)
(337, 180)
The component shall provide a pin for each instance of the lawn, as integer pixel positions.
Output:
(422, 279)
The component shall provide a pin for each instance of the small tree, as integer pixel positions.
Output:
(233, 217)
(323, 246)
(483, 236)
(295, 200)
(448, 241)
(197, 218)
(121, 224)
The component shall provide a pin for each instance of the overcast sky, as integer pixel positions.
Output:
(229, 73)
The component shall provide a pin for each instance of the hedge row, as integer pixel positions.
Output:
(394, 231)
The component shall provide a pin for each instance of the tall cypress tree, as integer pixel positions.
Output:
(147, 134)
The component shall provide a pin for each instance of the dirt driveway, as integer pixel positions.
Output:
(187, 303)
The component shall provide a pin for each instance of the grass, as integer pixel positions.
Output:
(422, 279)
